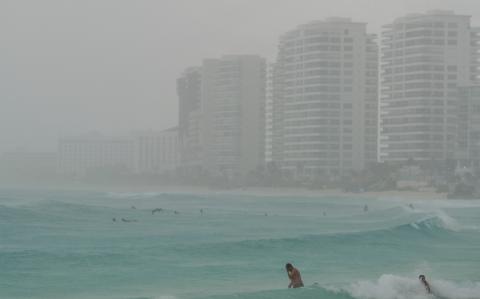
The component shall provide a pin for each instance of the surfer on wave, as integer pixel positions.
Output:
(425, 283)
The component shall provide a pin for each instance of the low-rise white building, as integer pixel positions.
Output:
(79, 155)
(156, 152)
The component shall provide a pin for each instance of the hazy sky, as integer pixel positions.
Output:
(68, 67)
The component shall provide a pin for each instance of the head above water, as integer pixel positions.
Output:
(289, 267)
(421, 277)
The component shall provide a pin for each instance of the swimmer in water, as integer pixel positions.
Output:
(129, 220)
(294, 276)
(425, 283)
(157, 210)
(365, 208)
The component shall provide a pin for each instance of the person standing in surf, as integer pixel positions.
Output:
(294, 276)
(425, 283)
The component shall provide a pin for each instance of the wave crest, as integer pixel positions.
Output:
(441, 220)
(390, 286)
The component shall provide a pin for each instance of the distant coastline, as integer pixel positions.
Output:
(253, 191)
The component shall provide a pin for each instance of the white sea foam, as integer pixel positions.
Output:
(438, 219)
(448, 289)
(443, 220)
(390, 286)
(448, 222)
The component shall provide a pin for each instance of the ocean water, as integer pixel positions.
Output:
(58, 244)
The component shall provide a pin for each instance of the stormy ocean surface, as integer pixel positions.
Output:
(66, 245)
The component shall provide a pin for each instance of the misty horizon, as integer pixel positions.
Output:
(240, 149)
(73, 68)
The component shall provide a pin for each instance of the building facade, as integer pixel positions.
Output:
(325, 99)
(233, 114)
(425, 57)
(468, 136)
(189, 97)
(156, 152)
(269, 96)
(78, 156)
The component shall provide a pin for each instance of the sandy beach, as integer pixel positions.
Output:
(253, 191)
(428, 193)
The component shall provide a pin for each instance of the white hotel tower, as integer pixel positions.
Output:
(232, 116)
(425, 58)
(325, 99)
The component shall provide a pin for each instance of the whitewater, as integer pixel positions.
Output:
(89, 245)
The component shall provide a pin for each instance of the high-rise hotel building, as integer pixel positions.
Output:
(189, 91)
(425, 58)
(269, 97)
(233, 114)
(222, 115)
(325, 102)
(468, 136)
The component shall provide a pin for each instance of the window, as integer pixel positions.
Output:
(452, 42)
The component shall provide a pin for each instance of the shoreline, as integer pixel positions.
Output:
(249, 191)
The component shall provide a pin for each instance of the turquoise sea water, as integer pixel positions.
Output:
(65, 245)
